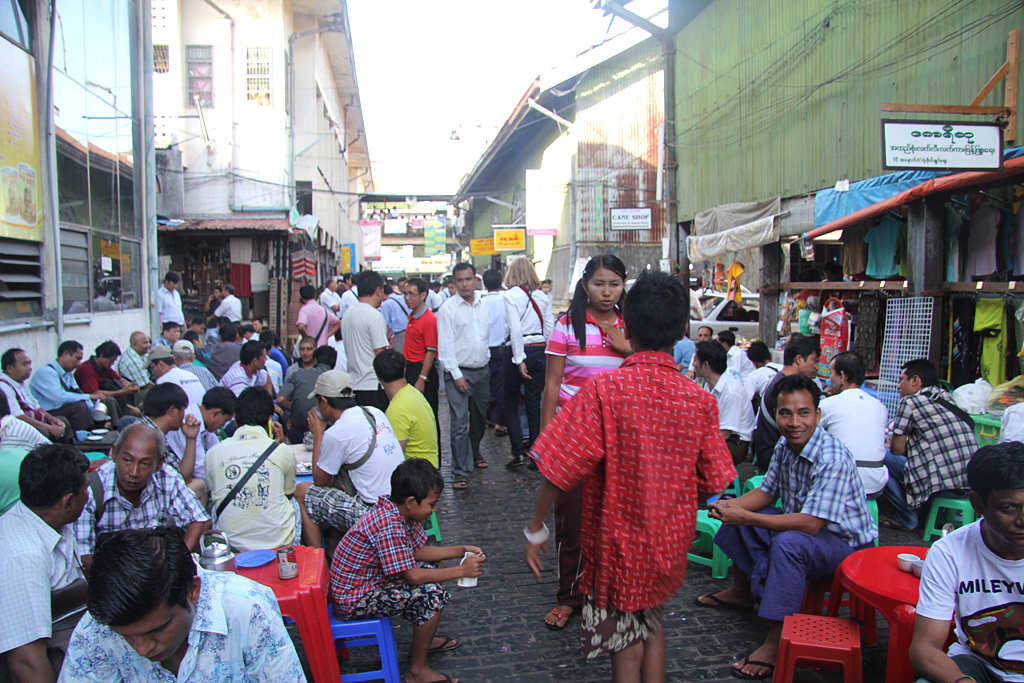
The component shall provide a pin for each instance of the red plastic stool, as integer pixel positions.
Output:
(821, 640)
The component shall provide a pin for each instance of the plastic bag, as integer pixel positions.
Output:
(1006, 395)
(973, 398)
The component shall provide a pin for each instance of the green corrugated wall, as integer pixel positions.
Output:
(783, 97)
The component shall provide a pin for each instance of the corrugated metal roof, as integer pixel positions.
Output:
(229, 224)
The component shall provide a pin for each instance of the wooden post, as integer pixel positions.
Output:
(927, 262)
(771, 276)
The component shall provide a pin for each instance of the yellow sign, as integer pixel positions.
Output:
(482, 247)
(510, 239)
(346, 258)
(20, 213)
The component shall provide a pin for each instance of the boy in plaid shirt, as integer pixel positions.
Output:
(383, 567)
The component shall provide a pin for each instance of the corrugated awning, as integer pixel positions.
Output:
(271, 224)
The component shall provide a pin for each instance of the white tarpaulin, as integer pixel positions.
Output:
(706, 247)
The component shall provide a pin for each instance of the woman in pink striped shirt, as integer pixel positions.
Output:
(586, 341)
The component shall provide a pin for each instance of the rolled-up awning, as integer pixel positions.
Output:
(748, 236)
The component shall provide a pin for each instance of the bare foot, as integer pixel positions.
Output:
(559, 622)
(427, 675)
(766, 654)
(731, 597)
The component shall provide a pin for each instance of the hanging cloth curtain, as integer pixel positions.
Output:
(989, 322)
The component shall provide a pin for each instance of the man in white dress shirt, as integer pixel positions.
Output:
(38, 557)
(738, 361)
(735, 414)
(463, 348)
(230, 306)
(857, 419)
(329, 298)
(168, 300)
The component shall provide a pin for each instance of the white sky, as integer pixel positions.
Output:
(427, 67)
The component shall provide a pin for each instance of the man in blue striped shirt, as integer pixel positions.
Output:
(824, 518)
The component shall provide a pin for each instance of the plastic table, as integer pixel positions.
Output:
(872, 576)
(304, 601)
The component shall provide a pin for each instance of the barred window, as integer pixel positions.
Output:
(200, 75)
(161, 59)
(257, 76)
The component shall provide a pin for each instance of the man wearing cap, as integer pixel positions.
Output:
(361, 442)
(184, 353)
(162, 367)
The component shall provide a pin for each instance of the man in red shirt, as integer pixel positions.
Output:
(420, 349)
(645, 442)
(97, 375)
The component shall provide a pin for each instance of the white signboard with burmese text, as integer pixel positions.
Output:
(941, 146)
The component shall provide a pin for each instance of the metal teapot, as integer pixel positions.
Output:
(99, 411)
(215, 552)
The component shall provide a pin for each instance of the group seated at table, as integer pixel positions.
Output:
(824, 518)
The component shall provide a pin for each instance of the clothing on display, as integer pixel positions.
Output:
(990, 324)
(984, 233)
(881, 241)
(733, 284)
(865, 339)
(855, 249)
(1005, 240)
(961, 357)
(954, 225)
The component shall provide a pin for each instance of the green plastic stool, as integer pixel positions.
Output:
(705, 544)
(943, 511)
(733, 489)
(752, 483)
(432, 528)
(873, 508)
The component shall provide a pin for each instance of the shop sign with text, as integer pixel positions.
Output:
(482, 247)
(513, 239)
(631, 219)
(941, 146)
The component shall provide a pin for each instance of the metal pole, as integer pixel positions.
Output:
(148, 170)
(51, 154)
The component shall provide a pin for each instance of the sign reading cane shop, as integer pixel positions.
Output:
(940, 146)
(631, 219)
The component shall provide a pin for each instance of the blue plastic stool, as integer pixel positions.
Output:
(432, 528)
(378, 632)
(873, 509)
(944, 511)
(706, 530)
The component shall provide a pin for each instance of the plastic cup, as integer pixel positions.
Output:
(81, 435)
(905, 561)
(467, 582)
(918, 568)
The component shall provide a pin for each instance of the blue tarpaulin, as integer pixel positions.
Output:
(830, 205)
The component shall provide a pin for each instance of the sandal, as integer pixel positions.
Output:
(890, 523)
(720, 604)
(460, 483)
(446, 645)
(739, 673)
(558, 617)
(480, 463)
(499, 430)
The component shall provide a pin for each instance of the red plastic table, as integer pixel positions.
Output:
(304, 600)
(873, 576)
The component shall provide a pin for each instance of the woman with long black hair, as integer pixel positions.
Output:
(586, 341)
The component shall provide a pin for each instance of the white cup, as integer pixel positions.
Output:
(467, 582)
(905, 561)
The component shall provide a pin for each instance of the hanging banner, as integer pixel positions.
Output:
(21, 215)
(545, 202)
(513, 239)
(394, 226)
(940, 146)
(434, 236)
(482, 247)
(371, 240)
(348, 258)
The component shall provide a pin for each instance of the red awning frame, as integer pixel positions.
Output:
(949, 183)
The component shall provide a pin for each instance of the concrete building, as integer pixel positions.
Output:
(257, 112)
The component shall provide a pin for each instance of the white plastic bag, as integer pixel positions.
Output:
(973, 397)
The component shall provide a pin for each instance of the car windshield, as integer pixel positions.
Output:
(709, 304)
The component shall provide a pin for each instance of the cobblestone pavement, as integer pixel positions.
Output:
(500, 621)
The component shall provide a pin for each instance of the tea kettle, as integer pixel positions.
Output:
(99, 411)
(215, 552)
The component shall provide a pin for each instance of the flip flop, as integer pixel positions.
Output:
(720, 604)
(445, 646)
(559, 616)
(500, 431)
(460, 483)
(890, 523)
(739, 673)
(446, 679)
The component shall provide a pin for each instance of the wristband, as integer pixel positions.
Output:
(423, 378)
(539, 537)
(965, 678)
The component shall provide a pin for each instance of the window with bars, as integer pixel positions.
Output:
(257, 76)
(199, 60)
(21, 283)
(161, 59)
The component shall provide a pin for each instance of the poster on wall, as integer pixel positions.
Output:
(483, 246)
(371, 240)
(21, 217)
(348, 258)
(434, 236)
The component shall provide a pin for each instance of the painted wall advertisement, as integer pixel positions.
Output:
(348, 258)
(510, 239)
(939, 146)
(434, 236)
(19, 146)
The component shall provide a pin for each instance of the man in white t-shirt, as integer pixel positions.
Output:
(974, 575)
(759, 354)
(230, 306)
(365, 335)
(162, 367)
(858, 419)
(360, 441)
(735, 415)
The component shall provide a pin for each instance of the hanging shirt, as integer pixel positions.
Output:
(984, 232)
(855, 260)
(1018, 259)
(881, 241)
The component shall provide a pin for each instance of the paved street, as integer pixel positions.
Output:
(500, 621)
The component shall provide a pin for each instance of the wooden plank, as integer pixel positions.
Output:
(993, 287)
(1012, 61)
(990, 86)
(942, 108)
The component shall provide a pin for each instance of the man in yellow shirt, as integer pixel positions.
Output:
(409, 412)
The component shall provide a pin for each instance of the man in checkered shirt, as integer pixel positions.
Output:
(138, 493)
(930, 445)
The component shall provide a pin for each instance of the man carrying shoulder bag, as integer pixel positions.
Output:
(352, 461)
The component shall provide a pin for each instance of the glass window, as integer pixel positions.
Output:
(101, 49)
(72, 152)
(69, 42)
(106, 271)
(123, 57)
(257, 76)
(103, 145)
(161, 59)
(13, 23)
(131, 274)
(74, 270)
(200, 75)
